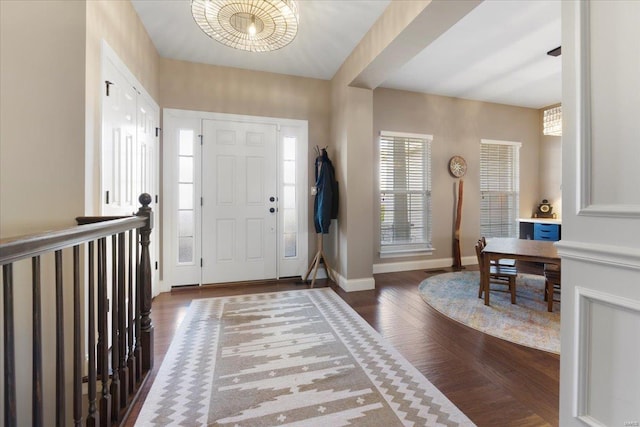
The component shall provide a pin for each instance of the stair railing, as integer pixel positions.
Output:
(112, 358)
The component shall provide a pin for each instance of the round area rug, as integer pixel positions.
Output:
(527, 322)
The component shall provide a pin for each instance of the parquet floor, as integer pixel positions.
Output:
(494, 382)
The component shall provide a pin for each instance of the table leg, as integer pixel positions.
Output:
(485, 278)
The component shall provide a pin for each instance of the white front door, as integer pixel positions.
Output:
(239, 201)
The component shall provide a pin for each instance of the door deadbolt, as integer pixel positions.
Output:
(272, 199)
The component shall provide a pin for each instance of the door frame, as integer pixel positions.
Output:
(179, 275)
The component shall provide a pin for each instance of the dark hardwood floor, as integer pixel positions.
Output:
(494, 382)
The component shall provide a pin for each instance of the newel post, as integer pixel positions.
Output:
(144, 284)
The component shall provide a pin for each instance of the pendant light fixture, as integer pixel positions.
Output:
(251, 25)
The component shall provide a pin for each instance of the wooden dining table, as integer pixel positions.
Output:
(518, 249)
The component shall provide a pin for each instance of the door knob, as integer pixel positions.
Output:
(272, 210)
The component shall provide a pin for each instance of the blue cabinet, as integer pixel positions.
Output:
(546, 232)
(540, 229)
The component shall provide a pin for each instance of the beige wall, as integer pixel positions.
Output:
(337, 249)
(42, 107)
(352, 126)
(192, 86)
(457, 127)
(359, 176)
(201, 87)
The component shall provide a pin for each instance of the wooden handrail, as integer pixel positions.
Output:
(120, 368)
(17, 248)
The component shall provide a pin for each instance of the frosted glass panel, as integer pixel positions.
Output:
(290, 245)
(290, 221)
(289, 195)
(289, 148)
(185, 196)
(185, 144)
(185, 249)
(288, 201)
(289, 172)
(186, 169)
(185, 223)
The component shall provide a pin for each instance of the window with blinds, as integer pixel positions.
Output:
(499, 188)
(405, 192)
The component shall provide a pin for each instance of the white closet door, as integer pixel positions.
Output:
(118, 143)
(239, 207)
(130, 154)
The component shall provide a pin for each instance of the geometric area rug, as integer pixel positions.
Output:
(527, 322)
(292, 358)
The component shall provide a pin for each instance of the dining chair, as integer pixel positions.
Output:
(498, 274)
(552, 275)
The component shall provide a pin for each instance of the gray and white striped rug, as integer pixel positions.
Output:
(294, 358)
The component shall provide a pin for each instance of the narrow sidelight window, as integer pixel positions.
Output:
(186, 197)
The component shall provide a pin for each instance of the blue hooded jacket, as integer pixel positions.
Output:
(325, 207)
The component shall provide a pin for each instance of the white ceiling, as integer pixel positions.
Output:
(497, 53)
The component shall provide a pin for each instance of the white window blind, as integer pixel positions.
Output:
(499, 188)
(405, 192)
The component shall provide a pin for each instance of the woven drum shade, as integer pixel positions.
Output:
(275, 22)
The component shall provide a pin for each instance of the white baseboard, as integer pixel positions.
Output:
(353, 285)
(160, 287)
(423, 264)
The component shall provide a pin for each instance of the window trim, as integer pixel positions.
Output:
(408, 249)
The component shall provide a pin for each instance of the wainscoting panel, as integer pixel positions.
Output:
(603, 166)
(607, 322)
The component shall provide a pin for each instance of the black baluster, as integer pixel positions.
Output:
(36, 397)
(92, 415)
(10, 419)
(60, 371)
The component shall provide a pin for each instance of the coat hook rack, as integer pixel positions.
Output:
(325, 209)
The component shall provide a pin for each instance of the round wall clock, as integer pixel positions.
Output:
(457, 166)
